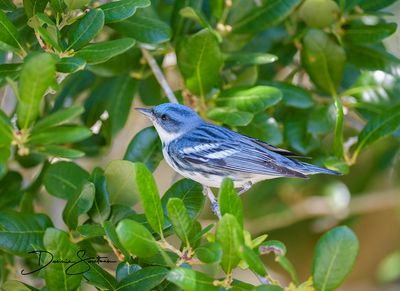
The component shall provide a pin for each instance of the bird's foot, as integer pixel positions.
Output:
(246, 186)
(214, 203)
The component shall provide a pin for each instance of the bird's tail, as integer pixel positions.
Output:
(311, 170)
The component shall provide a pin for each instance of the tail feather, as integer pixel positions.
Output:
(311, 170)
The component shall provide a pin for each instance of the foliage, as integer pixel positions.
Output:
(69, 71)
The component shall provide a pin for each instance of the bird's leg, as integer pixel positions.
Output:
(214, 203)
(246, 186)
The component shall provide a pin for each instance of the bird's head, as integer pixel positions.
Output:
(171, 120)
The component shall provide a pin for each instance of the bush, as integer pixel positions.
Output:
(293, 73)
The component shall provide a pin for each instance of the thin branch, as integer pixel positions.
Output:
(159, 75)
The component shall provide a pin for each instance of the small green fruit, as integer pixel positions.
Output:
(319, 13)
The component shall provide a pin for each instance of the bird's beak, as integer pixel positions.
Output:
(146, 112)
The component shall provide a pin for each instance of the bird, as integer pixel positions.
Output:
(207, 153)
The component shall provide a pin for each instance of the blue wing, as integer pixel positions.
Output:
(214, 147)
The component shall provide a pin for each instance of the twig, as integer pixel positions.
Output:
(159, 75)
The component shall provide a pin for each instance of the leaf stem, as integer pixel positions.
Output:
(159, 76)
(338, 142)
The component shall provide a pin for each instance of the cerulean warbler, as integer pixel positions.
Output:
(207, 153)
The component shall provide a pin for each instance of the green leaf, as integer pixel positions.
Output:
(120, 10)
(76, 4)
(323, 60)
(144, 279)
(58, 5)
(272, 246)
(253, 260)
(100, 278)
(321, 120)
(190, 280)
(370, 5)
(209, 253)
(70, 65)
(136, 238)
(124, 269)
(9, 71)
(91, 230)
(190, 192)
(200, 62)
(34, 6)
(249, 58)
(21, 233)
(264, 128)
(144, 28)
(369, 33)
(230, 116)
(250, 99)
(370, 57)
(7, 5)
(288, 266)
(60, 135)
(120, 105)
(378, 127)
(120, 179)
(84, 30)
(61, 276)
(32, 86)
(103, 51)
(229, 201)
(112, 236)
(13, 285)
(57, 118)
(59, 151)
(149, 196)
(145, 147)
(9, 35)
(334, 257)
(6, 137)
(292, 96)
(101, 205)
(180, 219)
(229, 235)
(78, 204)
(269, 14)
(64, 179)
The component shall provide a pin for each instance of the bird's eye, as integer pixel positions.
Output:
(164, 117)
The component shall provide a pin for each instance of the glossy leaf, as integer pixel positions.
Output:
(144, 279)
(369, 5)
(209, 253)
(136, 238)
(253, 260)
(79, 204)
(76, 4)
(6, 136)
(9, 71)
(230, 236)
(32, 7)
(229, 201)
(120, 10)
(370, 57)
(144, 28)
(149, 197)
(70, 65)
(111, 233)
(190, 192)
(7, 5)
(90, 230)
(59, 151)
(197, 15)
(145, 147)
(86, 29)
(323, 60)
(58, 118)
(321, 120)
(60, 135)
(103, 51)
(191, 280)
(124, 269)
(379, 127)
(248, 58)
(120, 178)
(200, 62)
(264, 128)
(100, 278)
(61, 276)
(32, 86)
(250, 99)
(180, 219)
(292, 96)
(101, 208)
(334, 257)
(20, 232)
(269, 14)
(369, 33)
(9, 35)
(230, 116)
(64, 179)
(58, 5)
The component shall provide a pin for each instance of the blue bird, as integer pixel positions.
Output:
(207, 153)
